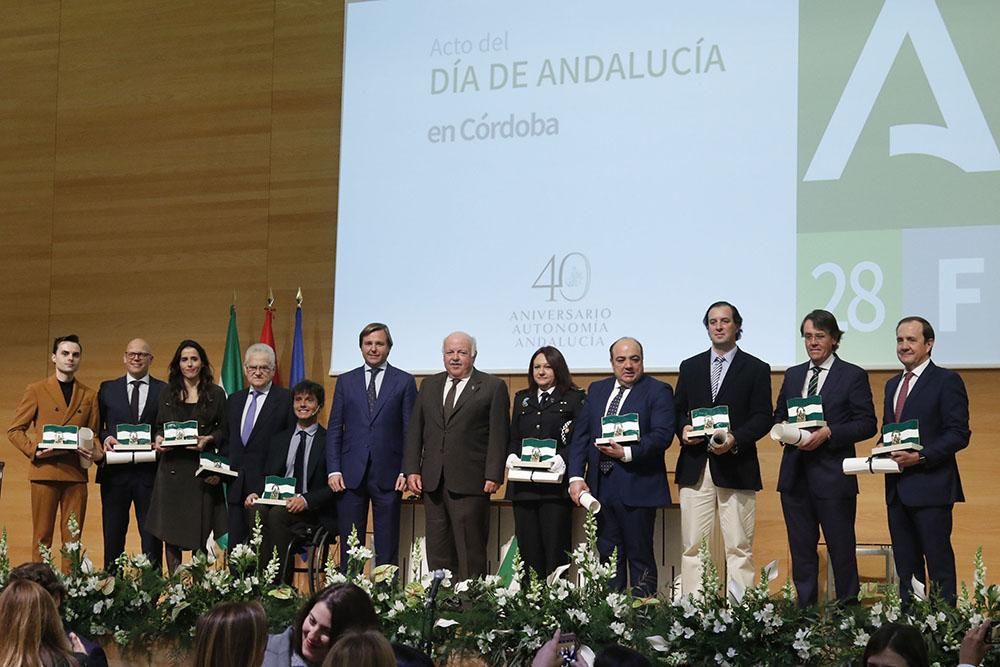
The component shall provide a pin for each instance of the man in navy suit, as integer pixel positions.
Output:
(815, 492)
(628, 478)
(253, 416)
(130, 399)
(721, 480)
(920, 499)
(299, 452)
(365, 441)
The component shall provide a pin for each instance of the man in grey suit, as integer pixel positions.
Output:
(455, 450)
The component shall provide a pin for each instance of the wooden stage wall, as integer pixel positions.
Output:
(156, 156)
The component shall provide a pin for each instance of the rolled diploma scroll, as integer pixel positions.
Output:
(864, 465)
(86, 441)
(130, 457)
(590, 503)
(788, 434)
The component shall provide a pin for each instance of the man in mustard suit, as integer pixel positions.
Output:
(58, 481)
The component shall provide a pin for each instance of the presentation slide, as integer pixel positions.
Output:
(567, 173)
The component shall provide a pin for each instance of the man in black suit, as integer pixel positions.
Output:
(455, 449)
(628, 478)
(815, 492)
(130, 399)
(920, 499)
(253, 416)
(300, 453)
(721, 479)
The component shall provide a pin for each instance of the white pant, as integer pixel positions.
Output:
(736, 510)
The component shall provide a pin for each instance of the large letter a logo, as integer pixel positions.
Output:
(964, 140)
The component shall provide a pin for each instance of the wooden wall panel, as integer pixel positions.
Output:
(155, 157)
(29, 49)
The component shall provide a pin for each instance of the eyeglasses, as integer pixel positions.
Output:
(137, 355)
(258, 369)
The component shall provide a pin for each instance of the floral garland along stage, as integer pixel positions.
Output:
(507, 621)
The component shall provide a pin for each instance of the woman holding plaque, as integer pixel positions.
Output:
(543, 510)
(184, 508)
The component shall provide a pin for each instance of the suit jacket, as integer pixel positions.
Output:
(644, 478)
(467, 449)
(42, 404)
(354, 436)
(939, 402)
(746, 390)
(274, 415)
(318, 496)
(530, 420)
(848, 410)
(113, 404)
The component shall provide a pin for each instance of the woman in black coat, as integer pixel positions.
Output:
(543, 511)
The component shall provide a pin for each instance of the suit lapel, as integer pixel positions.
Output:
(387, 381)
(471, 387)
(924, 380)
(831, 386)
(316, 453)
(55, 392)
(731, 374)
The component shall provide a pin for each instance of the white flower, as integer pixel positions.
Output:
(578, 616)
(731, 653)
(801, 644)
(617, 628)
(861, 638)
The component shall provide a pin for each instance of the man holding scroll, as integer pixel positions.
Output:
(920, 499)
(815, 492)
(717, 471)
(58, 480)
(626, 473)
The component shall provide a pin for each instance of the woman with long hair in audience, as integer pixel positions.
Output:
(184, 509)
(896, 645)
(545, 410)
(32, 633)
(319, 624)
(234, 633)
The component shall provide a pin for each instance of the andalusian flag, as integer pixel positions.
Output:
(134, 437)
(59, 437)
(805, 409)
(506, 569)
(232, 358)
(904, 433)
(709, 419)
(620, 426)
(277, 490)
(535, 450)
(181, 433)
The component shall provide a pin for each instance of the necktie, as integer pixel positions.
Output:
(606, 462)
(248, 420)
(300, 464)
(371, 390)
(814, 381)
(449, 400)
(903, 391)
(717, 375)
(134, 401)
(545, 400)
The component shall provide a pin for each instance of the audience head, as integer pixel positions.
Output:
(896, 645)
(407, 656)
(32, 632)
(43, 575)
(327, 615)
(361, 648)
(233, 633)
(617, 655)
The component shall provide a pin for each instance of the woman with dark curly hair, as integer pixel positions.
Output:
(319, 624)
(184, 509)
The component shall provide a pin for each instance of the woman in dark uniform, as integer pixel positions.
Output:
(546, 409)
(184, 508)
